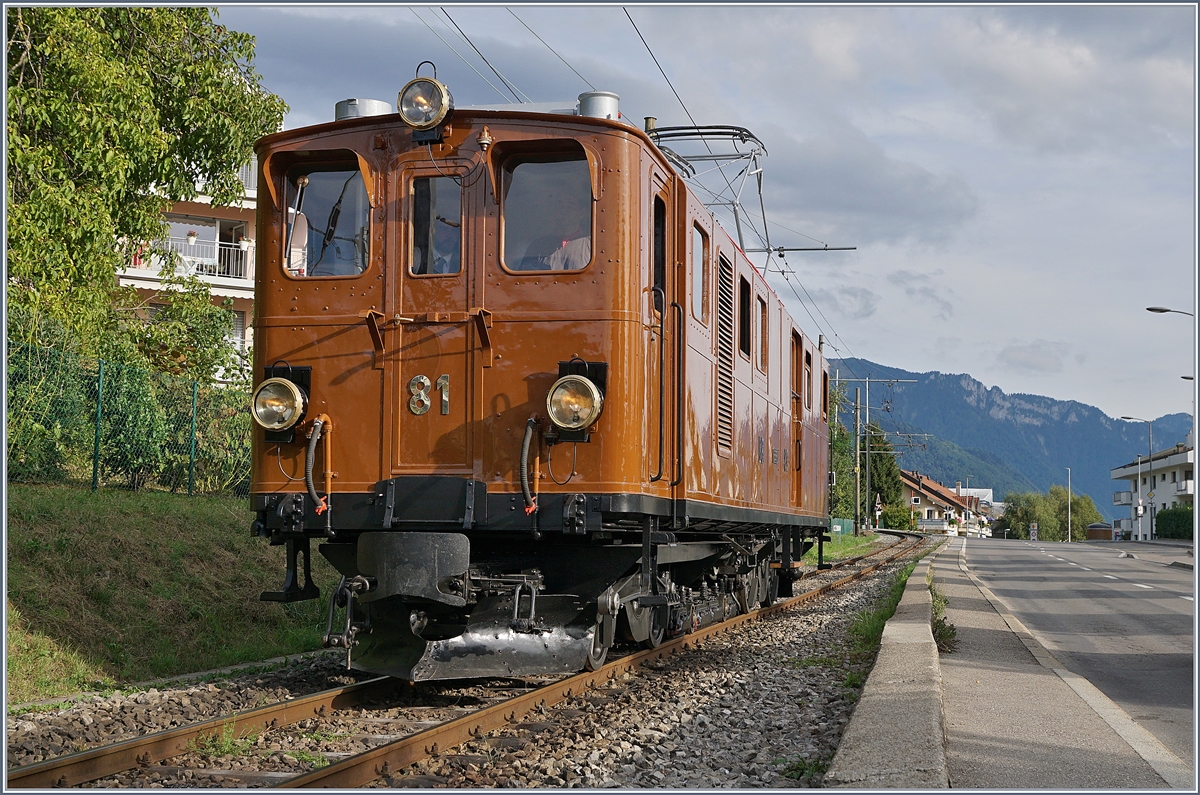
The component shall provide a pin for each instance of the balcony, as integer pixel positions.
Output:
(1185, 488)
(202, 258)
(1123, 498)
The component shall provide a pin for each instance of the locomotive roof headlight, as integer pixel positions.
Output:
(278, 404)
(424, 103)
(574, 403)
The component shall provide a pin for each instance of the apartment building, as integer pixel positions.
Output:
(1157, 481)
(215, 244)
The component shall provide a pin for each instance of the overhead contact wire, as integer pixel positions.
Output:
(515, 91)
(460, 57)
(551, 49)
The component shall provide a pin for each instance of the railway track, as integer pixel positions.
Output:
(396, 738)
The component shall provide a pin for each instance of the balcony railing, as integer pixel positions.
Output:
(1123, 498)
(1185, 487)
(203, 258)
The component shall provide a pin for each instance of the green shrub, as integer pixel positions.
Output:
(1175, 522)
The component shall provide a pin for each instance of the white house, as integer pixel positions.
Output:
(1156, 482)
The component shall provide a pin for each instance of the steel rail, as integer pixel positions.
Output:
(96, 763)
(107, 760)
(393, 757)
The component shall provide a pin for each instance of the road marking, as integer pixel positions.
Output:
(1190, 599)
(1069, 563)
(1085, 568)
(1147, 587)
(1109, 576)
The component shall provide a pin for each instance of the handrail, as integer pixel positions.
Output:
(678, 396)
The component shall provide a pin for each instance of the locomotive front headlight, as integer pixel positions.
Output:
(278, 404)
(424, 103)
(574, 403)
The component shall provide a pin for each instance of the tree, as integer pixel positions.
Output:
(1083, 512)
(841, 504)
(885, 472)
(1175, 522)
(114, 114)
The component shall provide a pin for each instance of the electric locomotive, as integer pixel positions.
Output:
(522, 390)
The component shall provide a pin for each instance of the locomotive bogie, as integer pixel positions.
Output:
(429, 296)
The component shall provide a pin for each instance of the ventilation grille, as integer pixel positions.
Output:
(724, 354)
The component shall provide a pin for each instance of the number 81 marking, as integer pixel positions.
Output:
(419, 386)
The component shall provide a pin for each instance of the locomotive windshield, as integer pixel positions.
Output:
(328, 214)
(547, 214)
(436, 225)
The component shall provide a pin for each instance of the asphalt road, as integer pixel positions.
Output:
(1126, 625)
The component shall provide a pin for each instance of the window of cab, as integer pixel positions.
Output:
(436, 227)
(547, 213)
(329, 219)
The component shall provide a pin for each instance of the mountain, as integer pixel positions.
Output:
(1004, 442)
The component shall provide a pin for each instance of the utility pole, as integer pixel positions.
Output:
(867, 424)
(1068, 504)
(857, 470)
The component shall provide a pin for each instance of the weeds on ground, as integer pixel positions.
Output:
(224, 743)
(945, 634)
(316, 760)
(802, 768)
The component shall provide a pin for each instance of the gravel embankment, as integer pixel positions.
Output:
(741, 711)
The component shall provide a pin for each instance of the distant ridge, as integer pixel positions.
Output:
(1006, 442)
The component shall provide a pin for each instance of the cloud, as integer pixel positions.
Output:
(923, 287)
(855, 303)
(1039, 356)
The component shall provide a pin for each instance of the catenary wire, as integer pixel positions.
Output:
(551, 49)
(460, 57)
(515, 91)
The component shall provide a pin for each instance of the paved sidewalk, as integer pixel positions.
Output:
(1015, 719)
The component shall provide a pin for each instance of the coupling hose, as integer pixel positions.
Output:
(530, 500)
(308, 466)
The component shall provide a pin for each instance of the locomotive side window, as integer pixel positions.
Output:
(744, 317)
(329, 221)
(762, 335)
(660, 250)
(825, 396)
(547, 214)
(436, 226)
(700, 275)
(808, 380)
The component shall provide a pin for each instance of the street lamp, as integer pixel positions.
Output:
(1162, 310)
(1150, 459)
(1068, 504)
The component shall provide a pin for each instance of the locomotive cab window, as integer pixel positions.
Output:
(328, 213)
(436, 226)
(547, 213)
(762, 334)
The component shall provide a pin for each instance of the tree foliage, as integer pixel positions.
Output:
(841, 460)
(1049, 510)
(885, 472)
(113, 114)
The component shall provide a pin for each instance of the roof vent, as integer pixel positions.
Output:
(599, 105)
(356, 108)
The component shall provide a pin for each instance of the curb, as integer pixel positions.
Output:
(1179, 564)
(904, 689)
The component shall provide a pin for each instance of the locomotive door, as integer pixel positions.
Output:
(799, 373)
(433, 371)
(667, 349)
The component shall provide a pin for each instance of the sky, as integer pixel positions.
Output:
(1019, 182)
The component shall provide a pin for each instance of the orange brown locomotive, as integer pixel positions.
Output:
(524, 390)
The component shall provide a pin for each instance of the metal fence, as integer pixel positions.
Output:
(96, 423)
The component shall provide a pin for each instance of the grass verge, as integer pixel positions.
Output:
(841, 546)
(111, 587)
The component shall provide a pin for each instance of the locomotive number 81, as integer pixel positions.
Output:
(524, 390)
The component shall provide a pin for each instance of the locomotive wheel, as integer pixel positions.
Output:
(658, 628)
(598, 651)
(772, 589)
